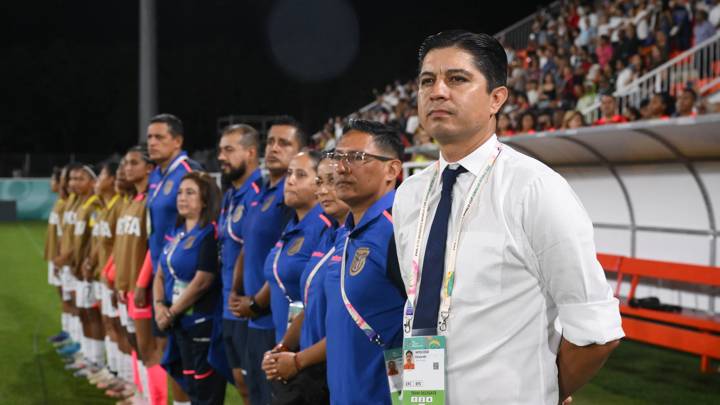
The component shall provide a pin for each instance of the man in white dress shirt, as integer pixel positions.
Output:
(519, 252)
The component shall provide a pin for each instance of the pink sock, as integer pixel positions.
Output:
(136, 371)
(157, 380)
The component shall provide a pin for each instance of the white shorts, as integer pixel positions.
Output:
(86, 295)
(52, 278)
(125, 320)
(106, 307)
(68, 282)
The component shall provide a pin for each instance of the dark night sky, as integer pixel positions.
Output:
(70, 68)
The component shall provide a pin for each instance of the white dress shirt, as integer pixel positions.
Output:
(526, 260)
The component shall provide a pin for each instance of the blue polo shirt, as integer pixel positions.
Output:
(235, 204)
(293, 250)
(162, 205)
(265, 219)
(355, 366)
(313, 293)
(187, 253)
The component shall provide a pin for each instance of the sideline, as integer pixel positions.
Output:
(36, 352)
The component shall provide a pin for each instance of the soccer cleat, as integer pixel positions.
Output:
(83, 372)
(60, 337)
(78, 365)
(101, 375)
(69, 350)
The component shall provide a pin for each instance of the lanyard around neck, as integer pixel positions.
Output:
(449, 276)
(168, 260)
(279, 247)
(315, 269)
(354, 314)
(172, 167)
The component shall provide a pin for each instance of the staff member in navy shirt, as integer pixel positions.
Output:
(187, 291)
(165, 136)
(238, 157)
(364, 290)
(265, 219)
(305, 369)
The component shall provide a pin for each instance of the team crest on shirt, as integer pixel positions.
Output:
(237, 215)
(358, 262)
(189, 242)
(168, 187)
(267, 203)
(296, 245)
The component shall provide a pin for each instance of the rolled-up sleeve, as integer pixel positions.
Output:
(561, 237)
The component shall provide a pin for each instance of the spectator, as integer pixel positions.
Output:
(544, 121)
(604, 50)
(681, 31)
(715, 14)
(504, 125)
(631, 114)
(704, 29)
(586, 95)
(527, 123)
(685, 104)
(628, 43)
(608, 111)
(532, 93)
(659, 106)
(573, 120)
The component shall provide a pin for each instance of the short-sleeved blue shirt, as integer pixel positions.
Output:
(355, 365)
(313, 293)
(232, 214)
(293, 250)
(266, 217)
(187, 253)
(162, 201)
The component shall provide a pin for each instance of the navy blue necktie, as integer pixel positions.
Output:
(433, 266)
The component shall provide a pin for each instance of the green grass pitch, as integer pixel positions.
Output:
(31, 372)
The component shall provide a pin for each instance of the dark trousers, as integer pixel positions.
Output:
(259, 341)
(205, 385)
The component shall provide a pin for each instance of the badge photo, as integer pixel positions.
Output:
(168, 187)
(267, 203)
(296, 245)
(237, 215)
(358, 262)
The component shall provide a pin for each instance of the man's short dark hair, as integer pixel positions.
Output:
(385, 137)
(174, 124)
(488, 55)
(249, 135)
(292, 122)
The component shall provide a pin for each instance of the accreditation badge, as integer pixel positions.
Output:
(394, 371)
(179, 288)
(423, 360)
(294, 310)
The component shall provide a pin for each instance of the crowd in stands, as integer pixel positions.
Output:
(578, 56)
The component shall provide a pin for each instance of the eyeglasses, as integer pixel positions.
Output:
(354, 157)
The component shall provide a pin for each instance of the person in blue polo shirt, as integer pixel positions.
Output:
(364, 290)
(265, 219)
(238, 157)
(165, 135)
(187, 289)
(304, 370)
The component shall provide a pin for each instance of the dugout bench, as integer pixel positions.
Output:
(689, 330)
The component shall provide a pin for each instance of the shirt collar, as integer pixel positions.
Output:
(377, 209)
(475, 161)
(312, 216)
(180, 155)
(254, 176)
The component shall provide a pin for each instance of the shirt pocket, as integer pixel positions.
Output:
(479, 266)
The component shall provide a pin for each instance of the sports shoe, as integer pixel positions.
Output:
(69, 350)
(103, 374)
(78, 365)
(59, 337)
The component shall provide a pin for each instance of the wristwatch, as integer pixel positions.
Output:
(257, 309)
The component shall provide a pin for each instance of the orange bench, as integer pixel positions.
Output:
(689, 331)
